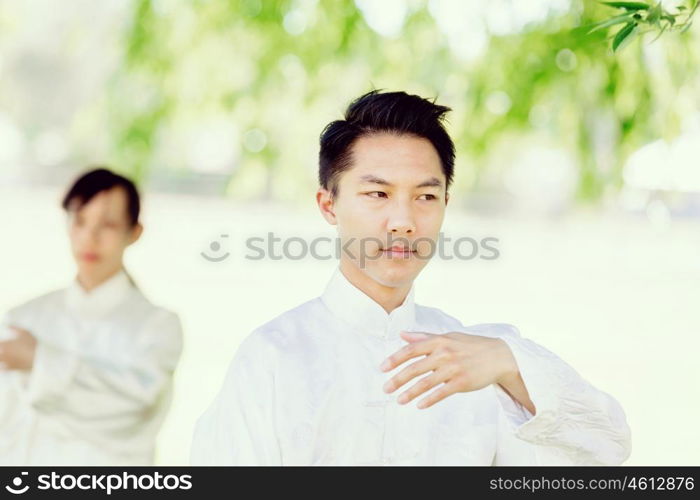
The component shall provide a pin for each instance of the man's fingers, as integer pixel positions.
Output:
(415, 336)
(438, 394)
(409, 351)
(411, 371)
(423, 385)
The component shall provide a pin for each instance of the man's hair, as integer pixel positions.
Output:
(89, 184)
(389, 112)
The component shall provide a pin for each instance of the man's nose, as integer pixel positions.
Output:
(401, 220)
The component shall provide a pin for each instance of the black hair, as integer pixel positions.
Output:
(377, 112)
(101, 179)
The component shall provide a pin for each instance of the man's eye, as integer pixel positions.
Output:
(377, 194)
(428, 197)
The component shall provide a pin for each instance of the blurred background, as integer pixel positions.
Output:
(583, 162)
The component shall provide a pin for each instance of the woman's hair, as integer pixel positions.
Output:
(89, 184)
(101, 179)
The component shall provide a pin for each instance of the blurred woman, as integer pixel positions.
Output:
(86, 371)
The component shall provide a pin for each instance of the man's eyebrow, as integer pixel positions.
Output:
(375, 180)
(432, 182)
(369, 178)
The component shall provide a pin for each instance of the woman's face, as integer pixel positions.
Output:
(99, 233)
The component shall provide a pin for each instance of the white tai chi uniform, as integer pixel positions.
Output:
(306, 388)
(101, 382)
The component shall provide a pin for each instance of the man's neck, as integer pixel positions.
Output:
(388, 297)
(89, 282)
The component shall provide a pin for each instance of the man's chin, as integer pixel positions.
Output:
(392, 274)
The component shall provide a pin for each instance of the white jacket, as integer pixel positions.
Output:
(101, 382)
(306, 388)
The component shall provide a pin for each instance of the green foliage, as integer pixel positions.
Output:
(624, 35)
(650, 16)
(239, 61)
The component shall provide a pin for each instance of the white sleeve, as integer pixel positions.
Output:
(96, 385)
(238, 428)
(575, 423)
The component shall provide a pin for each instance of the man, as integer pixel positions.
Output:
(86, 371)
(319, 383)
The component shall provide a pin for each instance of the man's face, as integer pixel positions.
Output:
(100, 231)
(393, 196)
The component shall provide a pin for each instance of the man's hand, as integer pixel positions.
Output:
(18, 353)
(460, 361)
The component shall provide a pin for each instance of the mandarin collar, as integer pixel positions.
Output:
(100, 299)
(355, 307)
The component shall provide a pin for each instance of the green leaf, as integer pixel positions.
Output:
(627, 5)
(654, 15)
(668, 17)
(621, 35)
(622, 18)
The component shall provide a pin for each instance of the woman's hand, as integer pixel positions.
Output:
(18, 353)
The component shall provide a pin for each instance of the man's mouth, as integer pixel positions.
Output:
(398, 251)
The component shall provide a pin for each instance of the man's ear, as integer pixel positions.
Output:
(325, 201)
(136, 233)
(447, 197)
